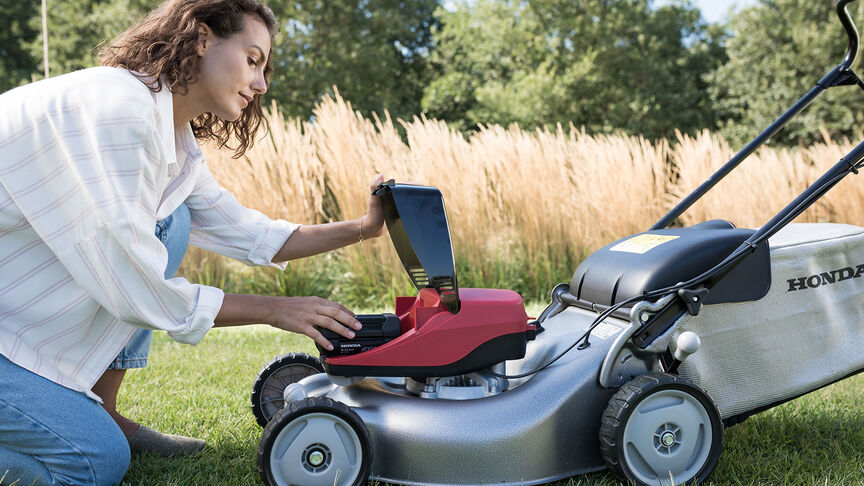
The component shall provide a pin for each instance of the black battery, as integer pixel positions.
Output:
(377, 329)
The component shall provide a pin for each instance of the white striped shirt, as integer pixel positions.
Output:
(89, 161)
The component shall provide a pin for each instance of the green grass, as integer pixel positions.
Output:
(203, 391)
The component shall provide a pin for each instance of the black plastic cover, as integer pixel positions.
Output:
(377, 329)
(660, 258)
(417, 223)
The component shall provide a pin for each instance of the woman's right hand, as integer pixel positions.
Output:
(306, 315)
(303, 315)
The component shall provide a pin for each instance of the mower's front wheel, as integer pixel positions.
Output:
(315, 442)
(267, 391)
(661, 429)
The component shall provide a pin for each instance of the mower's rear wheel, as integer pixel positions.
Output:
(315, 442)
(661, 429)
(267, 391)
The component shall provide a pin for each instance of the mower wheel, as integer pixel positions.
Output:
(267, 391)
(315, 442)
(661, 429)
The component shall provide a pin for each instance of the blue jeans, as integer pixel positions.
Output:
(173, 231)
(50, 434)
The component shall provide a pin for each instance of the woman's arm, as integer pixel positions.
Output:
(308, 240)
(303, 315)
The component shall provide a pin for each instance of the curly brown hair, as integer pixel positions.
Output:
(162, 46)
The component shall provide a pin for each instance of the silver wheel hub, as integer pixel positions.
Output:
(316, 449)
(316, 458)
(666, 438)
(668, 435)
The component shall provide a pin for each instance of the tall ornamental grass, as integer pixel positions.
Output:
(525, 207)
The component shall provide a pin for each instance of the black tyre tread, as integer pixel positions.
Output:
(309, 405)
(268, 370)
(621, 405)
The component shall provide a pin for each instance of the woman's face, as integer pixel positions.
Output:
(232, 69)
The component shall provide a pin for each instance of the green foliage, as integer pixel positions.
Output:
(779, 49)
(373, 51)
(16, 62)
(606, 65)
(624, 65)
(307, 276)
(76, 27)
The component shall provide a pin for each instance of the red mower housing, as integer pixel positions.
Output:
(491, 326)
(444, 330)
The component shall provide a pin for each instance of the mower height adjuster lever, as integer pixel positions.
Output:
(693, 299)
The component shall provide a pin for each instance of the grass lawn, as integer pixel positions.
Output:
(203, 391)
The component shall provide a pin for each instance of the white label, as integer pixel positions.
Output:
(604, 330)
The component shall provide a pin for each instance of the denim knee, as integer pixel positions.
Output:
(111, 461)
(102, 464)
(50, 434)
(108, 461)
(102, 460)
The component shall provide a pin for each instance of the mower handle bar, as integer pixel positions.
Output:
(841, 75)
(851, 32)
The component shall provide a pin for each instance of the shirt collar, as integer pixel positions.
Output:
(165, 107)
(187, 145)
(180, 146)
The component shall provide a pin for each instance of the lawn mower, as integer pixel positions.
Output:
(658, 342)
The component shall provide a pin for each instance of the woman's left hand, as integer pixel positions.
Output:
(372, 223)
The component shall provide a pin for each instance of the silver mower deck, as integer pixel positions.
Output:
(542, 428)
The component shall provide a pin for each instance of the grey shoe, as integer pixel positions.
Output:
(146, 439)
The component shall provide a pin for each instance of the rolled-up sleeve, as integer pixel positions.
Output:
(86, 181)
(222, 225)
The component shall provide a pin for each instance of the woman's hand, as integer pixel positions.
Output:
(372, 223)
(305, 315)
(312, 239)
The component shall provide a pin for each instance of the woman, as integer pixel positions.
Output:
(90, 163)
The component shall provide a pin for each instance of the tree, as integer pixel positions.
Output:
(16, 61)
(606, 65)
(778, 51)
(76, 27)
(373, 51)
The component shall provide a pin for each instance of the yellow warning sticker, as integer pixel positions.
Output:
(642, 243)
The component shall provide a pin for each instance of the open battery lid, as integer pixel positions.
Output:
(417, 223)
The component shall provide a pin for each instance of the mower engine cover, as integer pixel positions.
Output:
(660, 258)
(491, 327)
(443, 331)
